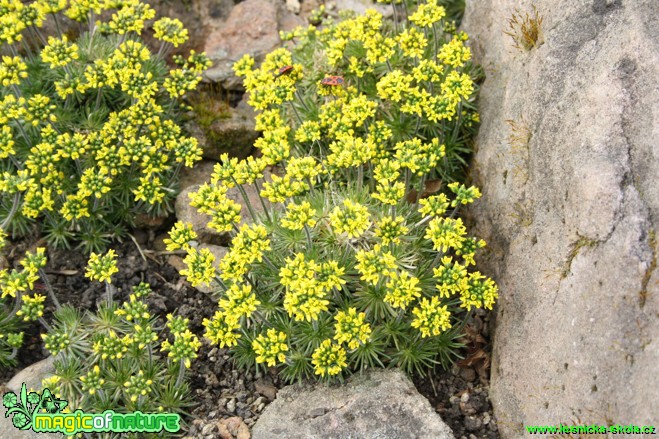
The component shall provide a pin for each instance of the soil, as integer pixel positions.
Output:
(220, 390)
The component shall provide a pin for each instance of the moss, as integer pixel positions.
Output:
(643, 294)
(209, 104)
(582, 242)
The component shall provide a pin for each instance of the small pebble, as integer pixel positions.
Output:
(208, 429)
(231, 406)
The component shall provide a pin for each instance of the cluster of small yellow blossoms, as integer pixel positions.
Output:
(14, 282)
(305, 296)
(138, 385)
(352, 219)
(117, 151)
(32, 307)
(356, 235)
(200, 266)
(186, 344)
(351, 328)
(329, 359)
(180, 236)
(102, 267)
(270, 348)
(92, 382)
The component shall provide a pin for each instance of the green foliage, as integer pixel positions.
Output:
(88, 137)
(113, 359)
(17, 306)
(360, 261)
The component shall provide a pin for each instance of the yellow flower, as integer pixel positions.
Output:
(12, 70)
(199, 266)
(402, 289)
(351, 328)
(329, 359)
(353, 219)
(171, 31)
(101, 268)
(298, 216)
(270, 348)
(59, 52)
(431, 317)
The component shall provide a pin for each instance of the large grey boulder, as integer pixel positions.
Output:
(381, 404)
(570, 208)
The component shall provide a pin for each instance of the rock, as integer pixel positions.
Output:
(361, 6)
(265, 387)
(243, 432)
(176, 262)
(145, 221)
(468, 374)
(32, 377)
(232, 424)
(570, 207)
(199, 174)
(199, 221)
(293, 6)
(231, 406)
(234, 135)
(252, 29)
(379, 404)
(223, 431)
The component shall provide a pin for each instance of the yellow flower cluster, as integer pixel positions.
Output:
(431, 317)
(137, 385)
(329, 359)
(402, 289)
(270, 348)
(59, 52)
(305, 297)
(361, 125)
(170, 31)
(446, 233)
(375, 263)
(180, 236)
(102, 267)
(351, 328)
(14, 281)
(200, 266)
(353, 219)
(12, 70)
(298, 216)
(186, 344)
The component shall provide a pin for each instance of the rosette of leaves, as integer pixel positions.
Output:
(119, 359)
(88, 122)
(360, 260)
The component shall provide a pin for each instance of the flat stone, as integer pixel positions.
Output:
(382, 404)
(32, 375)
